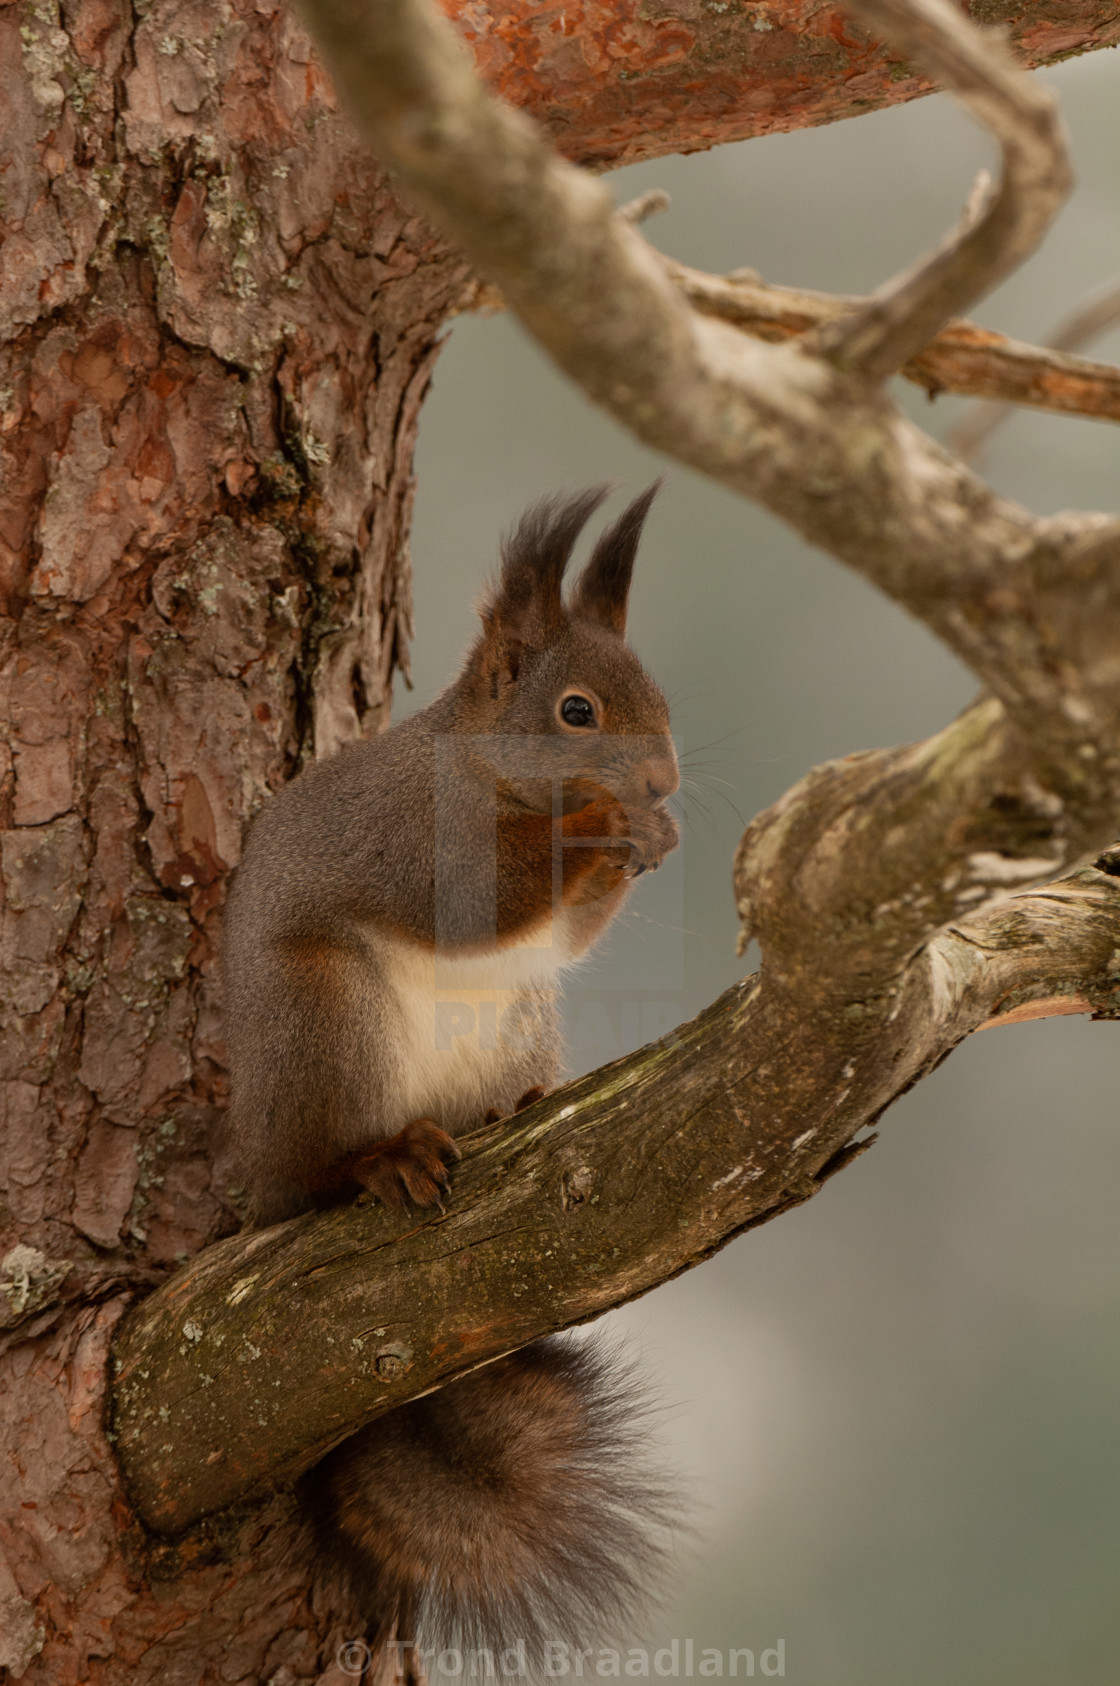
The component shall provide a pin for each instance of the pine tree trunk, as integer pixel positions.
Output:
(218, 328)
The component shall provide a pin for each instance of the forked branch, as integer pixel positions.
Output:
(823, 448)
(999, 228)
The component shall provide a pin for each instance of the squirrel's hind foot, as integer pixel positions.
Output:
(410, 1166)
(529, 1098)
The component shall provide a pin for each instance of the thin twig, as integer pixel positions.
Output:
(963, 358)
(998, 230)
(1092, 318)
(646, 205)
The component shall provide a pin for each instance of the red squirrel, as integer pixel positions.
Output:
(394, 937)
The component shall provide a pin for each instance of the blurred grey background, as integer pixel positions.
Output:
(897, 1406)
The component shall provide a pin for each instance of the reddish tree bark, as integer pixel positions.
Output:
(217, 324)
(614, 81)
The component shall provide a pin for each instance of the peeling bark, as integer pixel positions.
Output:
(218, 325)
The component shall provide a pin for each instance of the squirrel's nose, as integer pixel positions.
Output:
(662, 777)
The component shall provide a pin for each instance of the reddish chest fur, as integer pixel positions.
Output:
(547, 862)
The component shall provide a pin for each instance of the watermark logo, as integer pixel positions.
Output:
(517, 878)
(559, 1659)
(542, 818)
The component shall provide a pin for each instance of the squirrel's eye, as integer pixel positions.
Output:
(577, 711)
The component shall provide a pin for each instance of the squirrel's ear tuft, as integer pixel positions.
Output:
(603, 587)
(527, 608)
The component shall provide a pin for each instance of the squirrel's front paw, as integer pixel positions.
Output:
(412, 1165)
(653, 834)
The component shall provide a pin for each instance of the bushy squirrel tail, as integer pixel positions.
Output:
(515, 1506)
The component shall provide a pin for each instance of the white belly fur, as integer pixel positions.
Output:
(464, 1022)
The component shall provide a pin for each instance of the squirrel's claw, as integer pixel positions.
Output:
(410, 1166)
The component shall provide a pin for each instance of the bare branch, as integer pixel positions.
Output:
(1095, 316)
(651, 204)
(997, 230)
(963, 357)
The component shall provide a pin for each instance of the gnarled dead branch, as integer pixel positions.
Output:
(818, 445)
(998, 229)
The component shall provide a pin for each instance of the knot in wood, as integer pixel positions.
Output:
(576, 1186)
(393, 1361)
